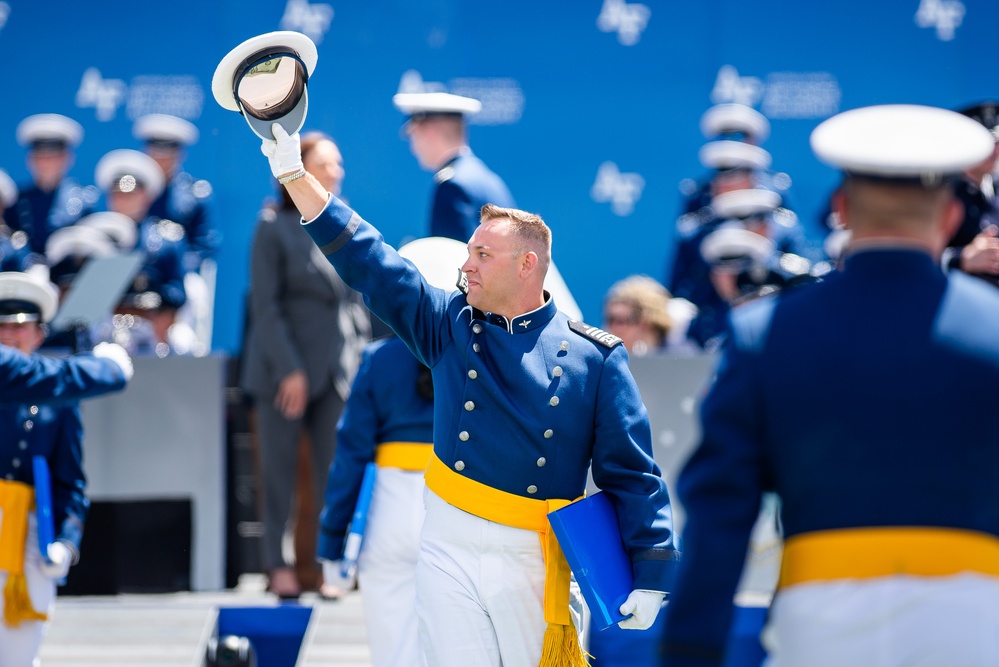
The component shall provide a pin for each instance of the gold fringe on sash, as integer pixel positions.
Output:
(16, 501)
(561, 641)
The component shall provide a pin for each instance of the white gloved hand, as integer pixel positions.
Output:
(56, 564)
(332, 576)
(643, 606)
(117, 354)
(283, 152)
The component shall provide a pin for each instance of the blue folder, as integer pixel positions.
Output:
(43, 504)
(355, 532)
(588, 532)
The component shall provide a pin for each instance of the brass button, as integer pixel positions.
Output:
(549, 433)
(459, 465)
(477, 328)
(554, 401)
(542, 462)
(475, 347)
(469, 405)
(472, 374)
(463, 436)
(532, 489)
(557, 371)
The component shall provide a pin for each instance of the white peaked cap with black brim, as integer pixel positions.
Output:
(902, 141)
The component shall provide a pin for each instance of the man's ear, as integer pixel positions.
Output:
(529, 263)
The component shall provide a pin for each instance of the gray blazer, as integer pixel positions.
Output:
(301, 314)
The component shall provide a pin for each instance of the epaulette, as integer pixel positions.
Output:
(595, 334)
(445, 174)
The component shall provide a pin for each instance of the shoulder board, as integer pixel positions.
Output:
(594, 334)
(445, 174)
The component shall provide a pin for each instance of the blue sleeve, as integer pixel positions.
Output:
(624, 468)
(720, 488)
(69, 500)
(41, 379)
(393, 288)
(171, 266)
(453, 215)
(356, 439)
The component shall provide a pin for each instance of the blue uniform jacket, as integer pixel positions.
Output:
(38, 213)
(55, 432)
(185, 201)
(163, 244)
(862, 402)
(383, 406)
(523, 406)
(464, 186)
(42, 379)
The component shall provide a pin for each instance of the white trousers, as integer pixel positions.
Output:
(480, 591)
(19, 646)
(886, 622)
(386, 568)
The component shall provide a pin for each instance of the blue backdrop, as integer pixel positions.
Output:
(591, 107)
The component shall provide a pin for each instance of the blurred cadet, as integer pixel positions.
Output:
(463, 184)
(770, 229)
(184, 199)
(131, 181)
(28, 575)
(388, 420)
(15, 253)
(891, 541)
(638, 310)
(738, 166)
(52, 200)
(68, 250)
(525, 400)
(974, 248)
(306, 333)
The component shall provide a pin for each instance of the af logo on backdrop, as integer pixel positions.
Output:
(309, 19)
(944, 15)
(627, 19)
(622, 190)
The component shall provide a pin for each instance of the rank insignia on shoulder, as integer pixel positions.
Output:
(595, 334)
(445, 174)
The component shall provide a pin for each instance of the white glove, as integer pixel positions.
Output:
(56, 564)
(332, 576)
(117, 354)
(284, 152)
(644, 607)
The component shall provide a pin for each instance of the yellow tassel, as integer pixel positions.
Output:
(17, 606)
(561, 648)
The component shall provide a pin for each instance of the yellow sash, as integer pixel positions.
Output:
(561, 642)
(863, 553)
(17, 499)
(412, 456)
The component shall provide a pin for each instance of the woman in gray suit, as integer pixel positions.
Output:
(303, 346)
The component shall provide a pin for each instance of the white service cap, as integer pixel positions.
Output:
(25, 298)
(8, 190)
(425, 104)
(723, 119)
(732, 243)
(744, 203)
(118, 227)
(439, 259)
(78, 241)
(729, 154)
(162, 128)
(902, 141)
(49, 128)
(115, 168)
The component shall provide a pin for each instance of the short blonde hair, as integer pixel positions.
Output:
(649, 299)
(534, 235)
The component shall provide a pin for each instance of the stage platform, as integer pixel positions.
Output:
(173, 629)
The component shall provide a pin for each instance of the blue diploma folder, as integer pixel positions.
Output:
(43, 504)
(355, 533)
(588, 532)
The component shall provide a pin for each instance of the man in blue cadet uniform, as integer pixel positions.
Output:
(28, 575)
(891, 550)
(15, 253)
(388, 420)
(463, 184)
(184, 199)
(132, 181)
(974, 248)
(524, 401)
(52, 200)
